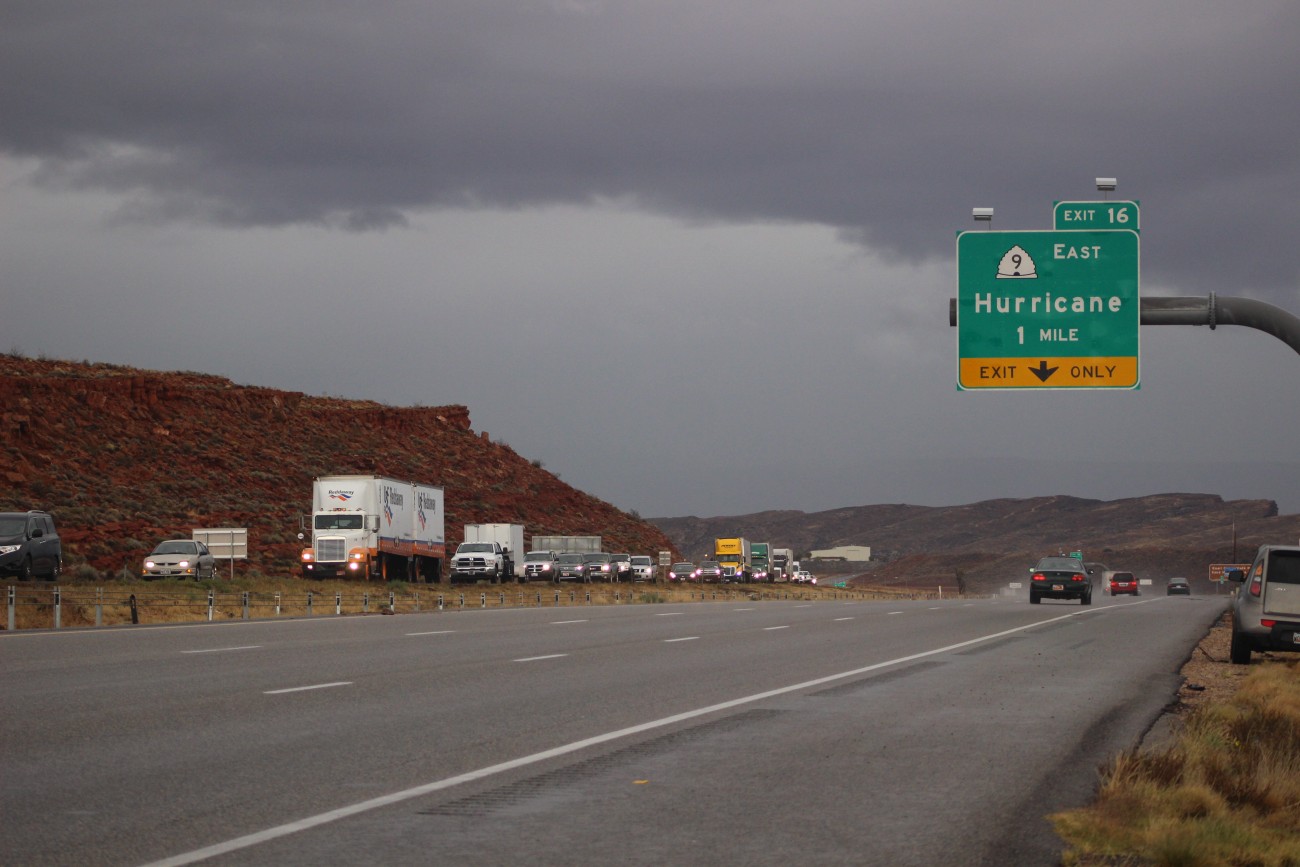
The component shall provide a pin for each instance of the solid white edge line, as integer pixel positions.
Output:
(265, 836)
(305, 688)
(224, 649)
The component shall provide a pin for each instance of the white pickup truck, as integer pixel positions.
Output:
(475, 561)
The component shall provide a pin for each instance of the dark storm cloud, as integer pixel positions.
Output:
(886, 120)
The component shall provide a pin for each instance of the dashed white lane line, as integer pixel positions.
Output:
(305, 688)
(668, 613)
(224, 649)
(838, 619)
(563, 622)
(688, 638)
(436, 632)
(895, 612)
(770, 628)
(536, 658)
(273, 833)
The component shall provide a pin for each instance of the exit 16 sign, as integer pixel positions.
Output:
(1049, 309)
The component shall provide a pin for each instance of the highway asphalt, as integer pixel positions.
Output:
(704, 733)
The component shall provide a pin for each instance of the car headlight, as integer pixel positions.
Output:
(184, 564)
(9, 549)
(148, 564)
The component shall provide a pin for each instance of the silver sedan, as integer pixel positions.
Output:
(180, 558)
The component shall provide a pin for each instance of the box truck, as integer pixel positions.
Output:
(373, 527)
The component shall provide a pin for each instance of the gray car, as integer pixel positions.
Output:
(1266, 607)
(180, 558)
(1060, 578)
(599, 566)
(569, 567)
(539, 566)
(30, 546)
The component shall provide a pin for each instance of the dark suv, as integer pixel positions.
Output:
(29, 545)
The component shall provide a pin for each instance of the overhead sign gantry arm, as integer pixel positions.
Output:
(1214, 310)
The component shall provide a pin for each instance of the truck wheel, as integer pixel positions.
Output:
(1239, 651)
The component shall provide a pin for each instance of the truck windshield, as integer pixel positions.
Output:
(338, 522)
(476, 547)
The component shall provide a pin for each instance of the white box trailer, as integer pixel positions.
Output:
(567, 544)
(509, 536)
(375, 527)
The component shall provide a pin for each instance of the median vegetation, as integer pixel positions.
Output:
(1226, 792)
(130, 600)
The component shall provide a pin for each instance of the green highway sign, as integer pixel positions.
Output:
(1047, 309)
(1095, 215)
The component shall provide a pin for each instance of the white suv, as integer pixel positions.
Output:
(643, 568)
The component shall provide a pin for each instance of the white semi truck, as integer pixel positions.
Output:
(783, 564)
(372, 527)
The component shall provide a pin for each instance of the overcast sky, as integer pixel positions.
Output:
(693, 256)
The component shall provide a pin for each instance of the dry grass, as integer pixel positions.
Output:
(1227, 792)
(110, 604)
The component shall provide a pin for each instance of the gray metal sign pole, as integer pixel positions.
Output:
(1213, 311)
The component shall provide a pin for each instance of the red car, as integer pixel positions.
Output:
(1123, 582)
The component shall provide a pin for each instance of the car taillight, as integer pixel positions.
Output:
(1257, 585)
(1076, 578)
(1038, 576)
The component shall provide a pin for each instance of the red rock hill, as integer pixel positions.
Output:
(123, 458)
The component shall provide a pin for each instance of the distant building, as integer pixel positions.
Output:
(852, 553)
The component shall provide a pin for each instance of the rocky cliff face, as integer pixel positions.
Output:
(124, 458)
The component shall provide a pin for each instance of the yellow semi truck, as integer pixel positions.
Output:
(736, 558)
